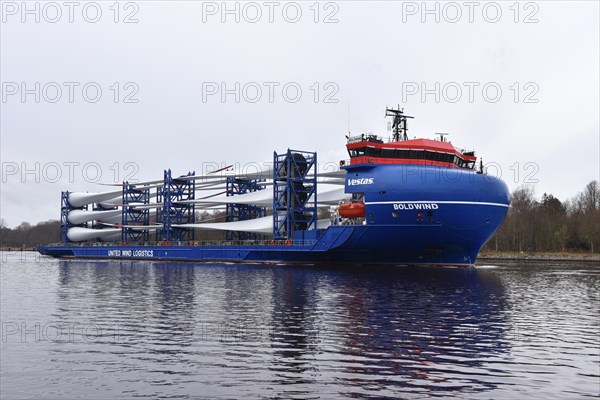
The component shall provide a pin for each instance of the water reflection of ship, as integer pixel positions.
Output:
(404, 325)
(414, 324)
(294, 332)
(393, 327)
(131, 303)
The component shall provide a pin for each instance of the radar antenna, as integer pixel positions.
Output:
(442, 136)
(399, 125)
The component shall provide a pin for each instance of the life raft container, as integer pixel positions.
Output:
(352, 210)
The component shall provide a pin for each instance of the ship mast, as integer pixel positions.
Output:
(399, 125)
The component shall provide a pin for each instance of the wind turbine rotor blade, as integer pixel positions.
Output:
(77, 217)
(80, 199)
(78, 234)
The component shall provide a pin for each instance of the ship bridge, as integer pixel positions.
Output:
(418, 151)
(371, 149)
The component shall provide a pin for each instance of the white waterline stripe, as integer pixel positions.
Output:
(479, 203)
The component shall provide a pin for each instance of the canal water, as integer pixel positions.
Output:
(111, 329)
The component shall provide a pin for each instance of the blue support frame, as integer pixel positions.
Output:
(172, 212)
(243, 212)
(131, 216)
(64, 217)
(294, 194)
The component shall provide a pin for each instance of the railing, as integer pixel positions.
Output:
(192, 243)
(400, 161)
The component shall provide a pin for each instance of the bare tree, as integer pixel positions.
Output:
(591, 197)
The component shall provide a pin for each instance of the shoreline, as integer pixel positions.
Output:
(589, 257)
(594, 257)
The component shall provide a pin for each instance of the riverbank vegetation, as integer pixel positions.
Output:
(549, 225)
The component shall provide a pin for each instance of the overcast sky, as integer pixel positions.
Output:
(517, 83)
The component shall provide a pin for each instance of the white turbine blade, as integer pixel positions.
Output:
(209, 207)
(340, 173)
(77, 234)
(260, 197)
(117, 218)
(262, 170)
(257, 225)
(110, 203)
(331, 196)
(112, 237)
(326, 194)
(147, 206)
(134, 227)
(332, 181)
(80, 199)
(143, 227)
(117, 201)
(211, 187)
(77, 217)
(156, 183)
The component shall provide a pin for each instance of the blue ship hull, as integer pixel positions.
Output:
(414, 215)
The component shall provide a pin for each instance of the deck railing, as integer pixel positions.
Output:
(229, 243)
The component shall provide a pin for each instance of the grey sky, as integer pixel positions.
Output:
(544, 125)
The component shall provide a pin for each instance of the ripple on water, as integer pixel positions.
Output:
(153, 329)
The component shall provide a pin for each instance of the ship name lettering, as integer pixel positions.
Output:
(415, 206)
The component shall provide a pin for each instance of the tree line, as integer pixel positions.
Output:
(27, 235)
(549, 225)
(531, 225)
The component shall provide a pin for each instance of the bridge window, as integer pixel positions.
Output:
(417, 155)
(357, 152)
(411, 154)
(402, 154)
(373, 152)
(388, 153)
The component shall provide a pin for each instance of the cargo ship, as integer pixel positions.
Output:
(395, 201)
